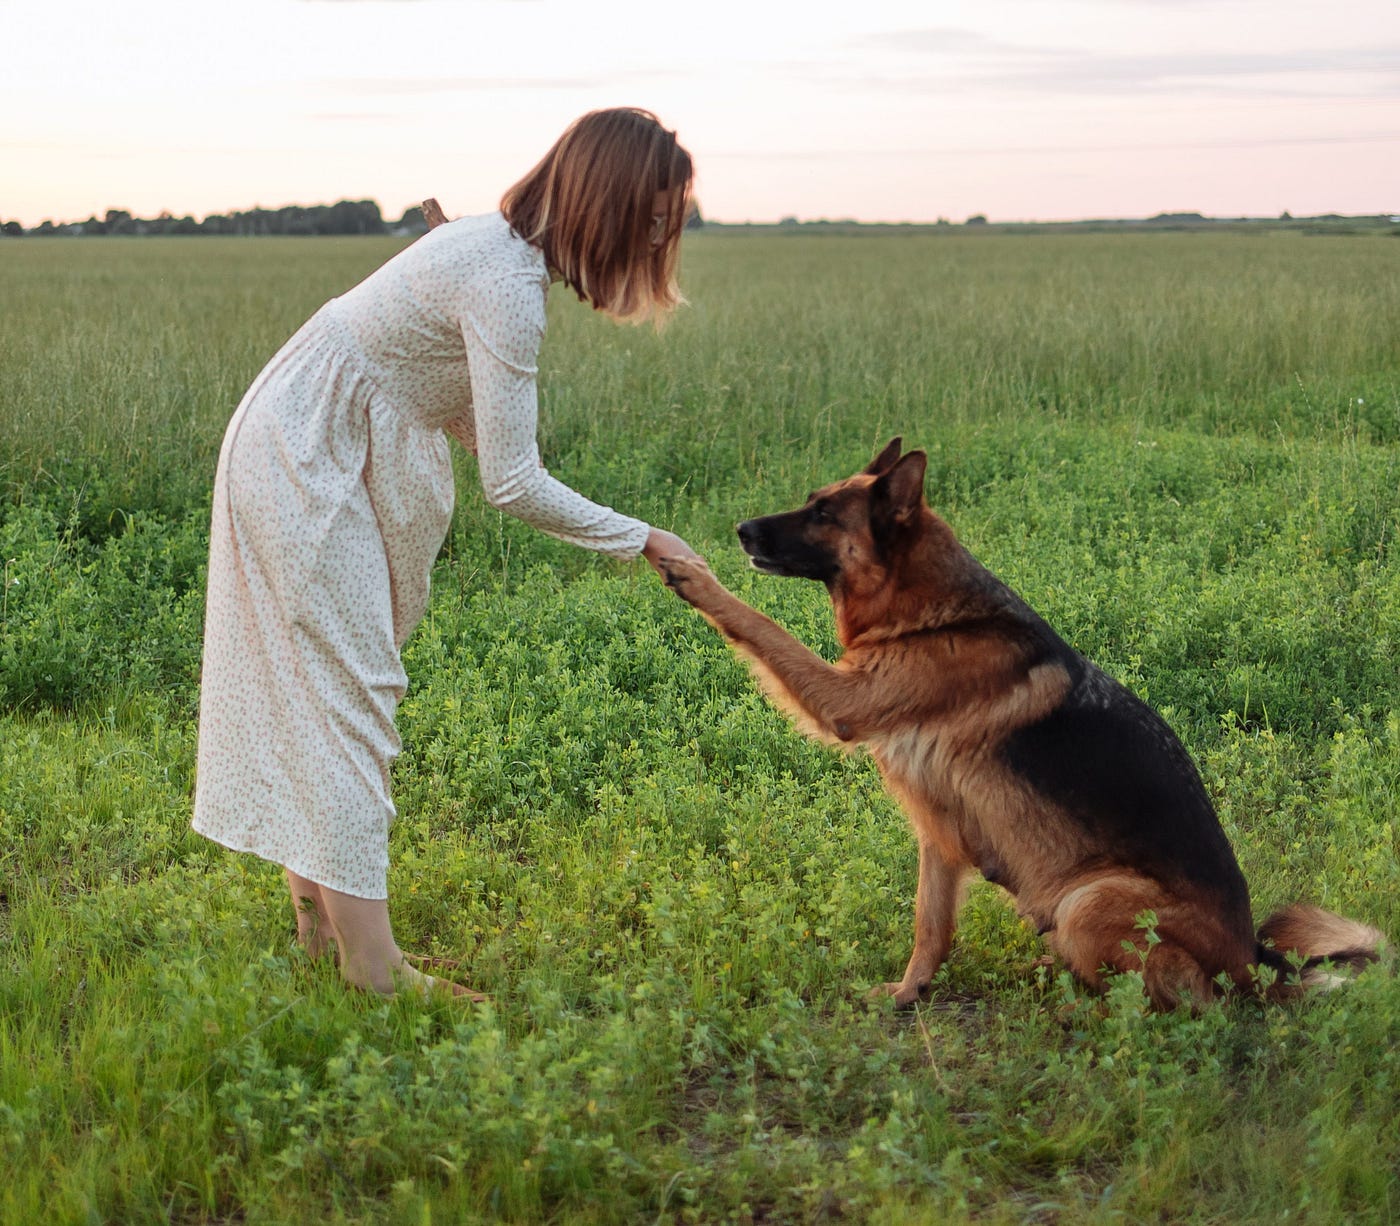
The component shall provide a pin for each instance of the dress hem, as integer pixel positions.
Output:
(308, 874)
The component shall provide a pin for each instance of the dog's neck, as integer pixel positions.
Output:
(897, 607)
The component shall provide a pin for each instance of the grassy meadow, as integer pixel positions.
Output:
(1183, 449)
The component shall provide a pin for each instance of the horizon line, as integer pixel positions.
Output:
(787, 219)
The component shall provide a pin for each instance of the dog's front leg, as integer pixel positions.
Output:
(936, 906)
(692, 580)
(826, 701)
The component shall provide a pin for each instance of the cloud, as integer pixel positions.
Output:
(416, 86)
(1173, 72)
(954, 60)
(936, 40)
(357, 117)
(997, 151)
(457, 85)
(416, 1)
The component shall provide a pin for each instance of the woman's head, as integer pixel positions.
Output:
(607, 205)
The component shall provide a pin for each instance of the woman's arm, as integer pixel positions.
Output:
(502, 332)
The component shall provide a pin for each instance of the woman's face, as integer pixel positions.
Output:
(662, 205)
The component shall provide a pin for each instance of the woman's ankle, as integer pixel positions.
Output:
(314, 943)
(385, 978)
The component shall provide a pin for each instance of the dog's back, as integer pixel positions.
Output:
(1114, 769)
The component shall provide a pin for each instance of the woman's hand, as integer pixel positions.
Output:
(661, 544)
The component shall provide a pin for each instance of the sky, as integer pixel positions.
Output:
(877, 110)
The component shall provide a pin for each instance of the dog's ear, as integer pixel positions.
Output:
(899, 493)
(885, 460)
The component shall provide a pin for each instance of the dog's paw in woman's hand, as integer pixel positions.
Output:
(684, 576)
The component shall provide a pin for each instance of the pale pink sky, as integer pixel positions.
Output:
(882, 110)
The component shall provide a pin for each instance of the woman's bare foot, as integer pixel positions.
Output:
(431, 986)
(366, 952)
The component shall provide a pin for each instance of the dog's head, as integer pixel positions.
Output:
(848, 534)
(891, 565)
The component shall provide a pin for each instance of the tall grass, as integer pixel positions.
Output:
(1183, 449)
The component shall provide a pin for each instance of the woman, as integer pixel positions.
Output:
(333, 495)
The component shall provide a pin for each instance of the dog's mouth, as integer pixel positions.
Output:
(770, 566)
(789, 569)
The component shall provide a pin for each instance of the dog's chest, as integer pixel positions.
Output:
(914, 759)
(956, 792)
(929, 775)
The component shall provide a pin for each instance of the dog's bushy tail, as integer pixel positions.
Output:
(1321, 939)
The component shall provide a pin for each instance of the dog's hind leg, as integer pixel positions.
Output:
(1099, 927)
(936, 903)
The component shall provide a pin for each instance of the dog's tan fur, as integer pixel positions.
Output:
(962, 694)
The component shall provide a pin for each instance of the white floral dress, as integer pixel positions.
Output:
(331, 500)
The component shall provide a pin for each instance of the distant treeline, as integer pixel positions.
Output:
(364, 217)
(344, 217)
(1325, 223)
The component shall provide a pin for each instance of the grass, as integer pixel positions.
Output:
(1183, 449)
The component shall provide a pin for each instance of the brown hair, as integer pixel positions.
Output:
(588, 206)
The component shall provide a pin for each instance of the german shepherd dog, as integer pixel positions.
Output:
(1012, 754)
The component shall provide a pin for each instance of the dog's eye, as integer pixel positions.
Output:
(821, 512)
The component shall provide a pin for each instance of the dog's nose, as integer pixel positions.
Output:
(746, 532)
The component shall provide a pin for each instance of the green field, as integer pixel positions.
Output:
(1183, 449)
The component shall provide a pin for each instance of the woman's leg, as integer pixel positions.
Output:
(314, 930)
(369, 956)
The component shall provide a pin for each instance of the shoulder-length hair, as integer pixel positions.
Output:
(589, 206)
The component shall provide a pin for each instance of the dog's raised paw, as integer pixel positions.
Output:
(677, 572)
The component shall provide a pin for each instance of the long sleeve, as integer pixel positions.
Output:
(502, 328)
